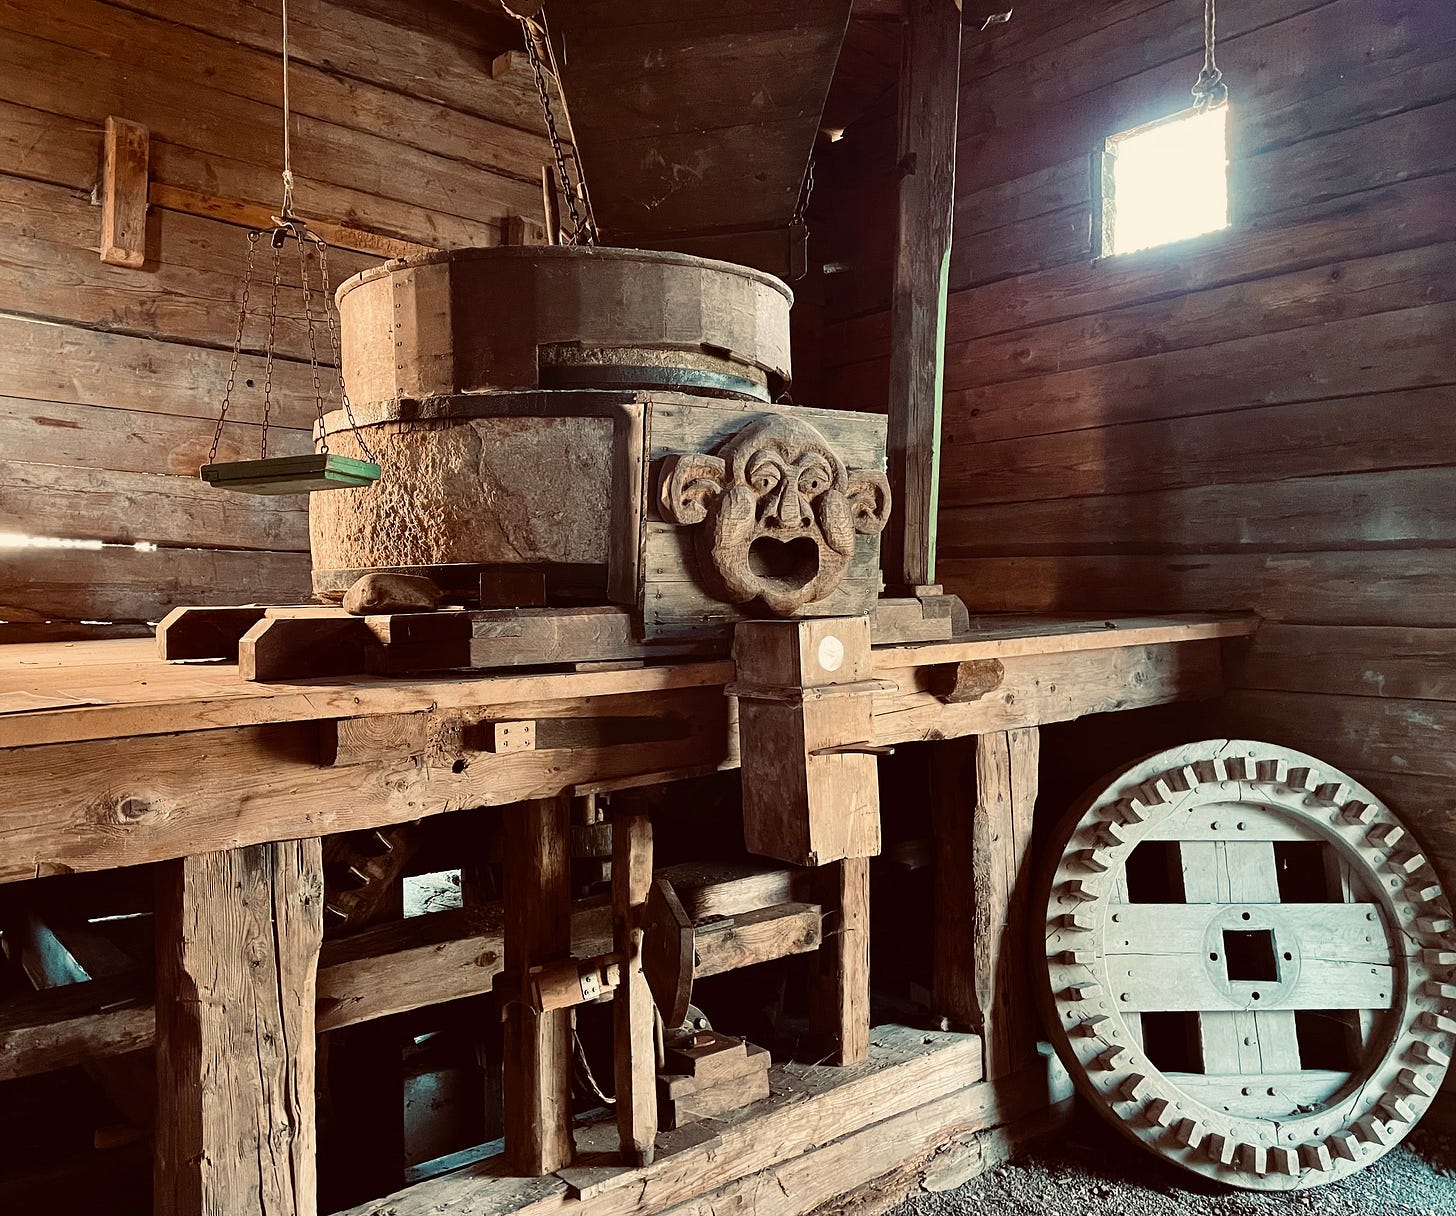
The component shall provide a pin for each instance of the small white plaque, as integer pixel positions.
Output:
(831, 653)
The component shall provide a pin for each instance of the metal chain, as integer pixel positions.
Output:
(806, 192)
(227, 392)
(318, 392)
(1209, 90)
(583, 227)
(268, 350)
(335, 345)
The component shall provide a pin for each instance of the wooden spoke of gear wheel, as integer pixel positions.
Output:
(1250, 967)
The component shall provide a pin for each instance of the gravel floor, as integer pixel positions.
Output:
(1090, 1170)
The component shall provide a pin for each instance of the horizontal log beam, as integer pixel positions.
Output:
(410, 964)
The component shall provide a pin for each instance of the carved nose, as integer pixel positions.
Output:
(791, 511)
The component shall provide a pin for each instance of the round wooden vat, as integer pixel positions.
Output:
(562, 317)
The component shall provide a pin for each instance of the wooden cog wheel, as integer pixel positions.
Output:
(1251, 967)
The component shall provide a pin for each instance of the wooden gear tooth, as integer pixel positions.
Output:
(1107, 1061)
(1436, 1021)
(1160, 1113)
(1276, 771)
(1317, 1156)
(1253, 1158)
(1094, 1026)
(1407, 863)
(1424, 1053)
(1079, 921)
(1082, 992)
(1426, 894)
(1335, 792)
(1135, 1088)
(1345, 1145)
(1438, 925)
(1397, 1110)
(1076, 958)
(1435, 957)
(1302, 778)
(1231, 768)
(1283, 1160)
(1385, 835)
(1358, 812)
(1112, 834)
(1094, 860)
(1413, 1082)
(1372, 1130)
(1188, 1133)
(1082, 890)
(1220, 1148)
(1437, 988)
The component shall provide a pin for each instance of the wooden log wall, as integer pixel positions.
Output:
(417, 127)
(1259, 418)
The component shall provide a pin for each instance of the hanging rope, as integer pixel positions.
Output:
(287, 142)
(1209, 90)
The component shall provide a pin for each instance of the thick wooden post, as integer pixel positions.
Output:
(238, 935)
(981, 890)
(839, 990)
(634, 1043)
(929, 94)
(537, 931)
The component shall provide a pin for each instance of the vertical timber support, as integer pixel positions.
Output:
(125, 152)
(238, 936)
(929, 96)
(633, 1013)
(537, 893)
(980, 975)
(839, 992)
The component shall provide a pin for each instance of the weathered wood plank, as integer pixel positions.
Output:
(1405, 508)
(839, 985)
(1370, 661)
(929, 83)
(818, 1105)
(537, 871)
(128, 441)
(120, 583)
(123, 192)
(1296, 365)
(238, 936)
(1006, 781)
(1380, 587)
(77, 366)
(1405, 429)
(124, 508)
(1406, 215)
(633, 1039)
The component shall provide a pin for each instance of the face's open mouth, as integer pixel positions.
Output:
(784, 564)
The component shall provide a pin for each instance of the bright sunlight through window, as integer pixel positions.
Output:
(1165, 181)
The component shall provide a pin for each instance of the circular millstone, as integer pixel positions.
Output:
(1249, 968)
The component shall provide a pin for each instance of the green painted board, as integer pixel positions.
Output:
(291, 474)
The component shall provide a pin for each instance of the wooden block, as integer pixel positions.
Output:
(839, 989)
(238, 936)
(279, 649)
(125, 149)
(755, 1059)
(537, 931)
(727, 1095)
(204, 633)
(708, 1056)
(803, 654)
(633, 1011)
(516, 736)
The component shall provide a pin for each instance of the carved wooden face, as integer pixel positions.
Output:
(784, 509)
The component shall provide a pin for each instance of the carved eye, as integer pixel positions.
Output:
(812, 482)
(764, 478)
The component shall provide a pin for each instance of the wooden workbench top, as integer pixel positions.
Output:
(59, 692)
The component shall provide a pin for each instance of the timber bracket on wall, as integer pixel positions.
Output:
(125, 192)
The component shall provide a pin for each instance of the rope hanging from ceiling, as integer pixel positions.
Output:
(1209, 90)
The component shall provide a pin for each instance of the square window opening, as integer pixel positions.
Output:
(1165, 181)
